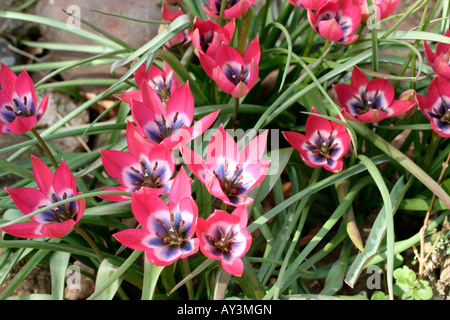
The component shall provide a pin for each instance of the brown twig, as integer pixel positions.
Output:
(422, 258)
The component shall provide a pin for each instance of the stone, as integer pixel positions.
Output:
(134, 33)
(59, 105)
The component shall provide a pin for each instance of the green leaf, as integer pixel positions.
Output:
(388, 216)
(375, 237)
(405, 276)
(60, 25)
(379, 295)
(151, 276)
(424, 292)
(58, 267)
(402, 290)
(279, 159)
(104, 273)
(335, 278)
(16, 169)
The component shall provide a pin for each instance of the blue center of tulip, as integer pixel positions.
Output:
(231, 181)
(146, 176)
(222, 240)
(206, 39)
(20, 108)
(174, 234)
(228, 5)
(236, 74)
(323, 147)
(62, 212)
(367, 102)
(162, 87)
(442, 112)
(167, 127)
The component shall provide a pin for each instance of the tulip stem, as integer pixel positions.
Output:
(90, 241)
(223, 206)
(187, 271)
(221, 284)
(325, 47)
(235, 111)
(45, 147)
(223, 5)
(310, 42)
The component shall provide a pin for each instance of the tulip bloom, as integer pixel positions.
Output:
(436, 106)
(440, 59)
(164, 82)
(324, 143)
(52, 223)
(233, 73)
(207, 36)
(233, 8)
(18, 112)
(181, 38)
(145, 166)
(409, 95)
(369, 101)
(169, 125)
(336, 21)
(167, 230)
(384, 8)
(224, 237)
(228, 173)
(308, 4)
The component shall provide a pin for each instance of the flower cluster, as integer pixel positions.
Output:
(173, 220)
(337, 20)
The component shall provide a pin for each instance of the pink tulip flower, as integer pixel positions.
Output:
(164, 82)
(324, 143)
(440, 59)
(167, 230)
(336, 21)
(233, 73)
(436, 106)
(18, 111)
(233, 8)
(228, 173)
(146, 165)
(181, 38)
(224, 237)
(52, 223)
(369, 101)
(169, 125)
(207, 36)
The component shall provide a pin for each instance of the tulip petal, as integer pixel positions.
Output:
(43, 176)
(33, 200)
(133, 238)
(7, 80)
(255, 149)
(21, 125)
(28, 230)
(57, 229)
(203, 124)
(182, 102)
(181, 188)
(222, 146)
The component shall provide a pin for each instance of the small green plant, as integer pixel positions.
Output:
(408, 287)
